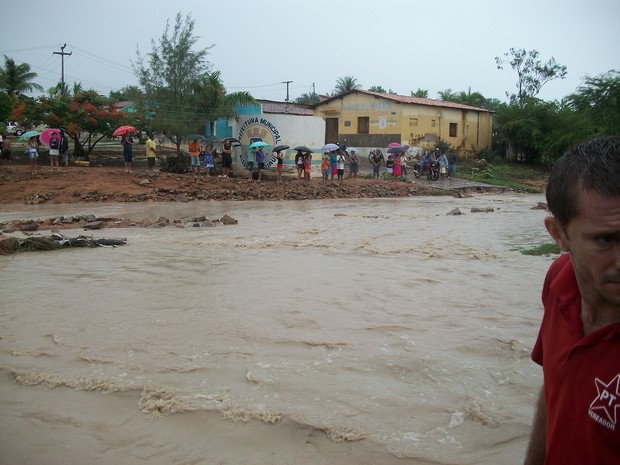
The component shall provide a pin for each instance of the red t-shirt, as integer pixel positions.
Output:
(581, 376)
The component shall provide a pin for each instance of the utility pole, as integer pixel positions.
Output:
(62, 61)
(287, 83)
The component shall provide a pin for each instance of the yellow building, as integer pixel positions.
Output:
(370, 119)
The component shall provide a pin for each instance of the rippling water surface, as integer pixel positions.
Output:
(315, 332)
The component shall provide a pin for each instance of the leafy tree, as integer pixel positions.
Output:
(381, 90)
(17, 79)
(598, 100)
(377, 89)
(447, 95)
(346, 84)
(310, 98)
(6, 107)
(170, 75)
(532, 74)
(420, 93)
(86, 116)
(539, 132)
(475, 99)
(129, 93)
(213, 102)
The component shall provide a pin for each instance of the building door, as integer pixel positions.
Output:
(331, 130)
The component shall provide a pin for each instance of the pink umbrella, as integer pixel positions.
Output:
(121, 131)
(47, 134)
(393, 144)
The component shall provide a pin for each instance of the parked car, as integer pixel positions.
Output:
(13, 127)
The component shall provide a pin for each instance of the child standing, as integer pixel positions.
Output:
(307, 166)
(325, 167)
(389, 164)
(194, 154)
(209, 162)
(33, 154)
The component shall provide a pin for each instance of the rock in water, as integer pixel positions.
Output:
(228, 220)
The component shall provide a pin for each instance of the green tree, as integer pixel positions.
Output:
(309, 98)
(377, 89)
(420, 93)
(598, 100)
(127, 93)
(214, 103)
(475, 99)
(381, 90)
(447, 95)
(17, 79)
(532, 74)
(346, 84)
(170, 75)
(86, 116)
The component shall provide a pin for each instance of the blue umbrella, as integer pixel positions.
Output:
(256, 144)
(27, 135)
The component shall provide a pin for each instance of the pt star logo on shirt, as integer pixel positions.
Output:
(604, 409)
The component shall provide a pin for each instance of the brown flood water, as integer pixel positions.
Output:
(313, 332)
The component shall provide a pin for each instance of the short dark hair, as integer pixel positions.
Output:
(593, 165)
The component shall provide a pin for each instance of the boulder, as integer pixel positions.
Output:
(94, 225)
(228, 220)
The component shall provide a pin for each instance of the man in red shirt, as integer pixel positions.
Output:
(578, 413)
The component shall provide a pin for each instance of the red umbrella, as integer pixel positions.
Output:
(123, 130)
(47, 134)
(393, 144)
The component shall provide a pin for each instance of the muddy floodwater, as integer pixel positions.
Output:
(372, 331)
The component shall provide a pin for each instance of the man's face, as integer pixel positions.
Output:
(593, 240)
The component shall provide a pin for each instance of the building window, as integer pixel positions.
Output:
(347, 124)
(363, 125)
(413, 121)
(432, 123)
(453, 129)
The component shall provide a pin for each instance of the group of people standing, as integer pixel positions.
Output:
(58, 151)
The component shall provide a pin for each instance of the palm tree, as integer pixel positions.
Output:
(346, 84)
(475, 99)
(447, 95)
(213, 101)
(420, 93)
(16, 79)
(308, 98)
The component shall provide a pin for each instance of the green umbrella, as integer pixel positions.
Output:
(28, 135)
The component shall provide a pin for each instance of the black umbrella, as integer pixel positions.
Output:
(303, 148)
(395, 150)
(198, 137)
(279, 148)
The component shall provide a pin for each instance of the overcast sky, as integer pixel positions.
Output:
(401, 45)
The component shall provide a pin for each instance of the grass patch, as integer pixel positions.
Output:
(544, 249)
(513, 175)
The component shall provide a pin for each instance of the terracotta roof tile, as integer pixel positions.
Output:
(285, 108)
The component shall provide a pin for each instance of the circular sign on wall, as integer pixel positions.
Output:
(255, 130)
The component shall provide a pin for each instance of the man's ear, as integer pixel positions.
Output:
(557, 232)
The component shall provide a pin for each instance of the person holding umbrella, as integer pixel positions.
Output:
(33, 153)
(280, 165)
(54, 145)
(127, 143)
(260, 162)
(226, 157)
